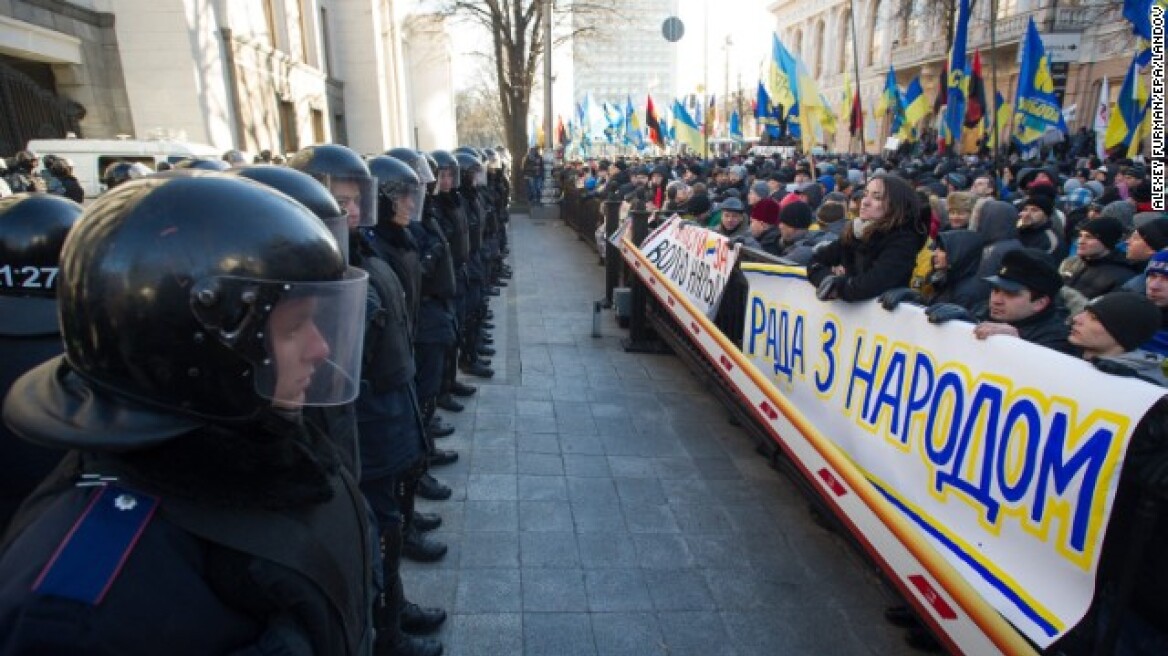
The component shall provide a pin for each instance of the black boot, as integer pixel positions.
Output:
(447, 402)
(419, 548)
(421, 621)
(486, 350)
(438, 428)
(443, 457)
(477, 369)
(459, 388)
(431, 489)
(426, 521)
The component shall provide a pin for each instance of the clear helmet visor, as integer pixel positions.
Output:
(447, 179)
(480, 178)
(407, 203)
(303, 339)
(338, 227)
(357, 198)
(313, 343)
(425, 175)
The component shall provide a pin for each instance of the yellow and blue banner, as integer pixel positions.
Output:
(685, 128)
(782, 82)
(991, 448)
(1036, 109)
(891, 101)
(1129, 114)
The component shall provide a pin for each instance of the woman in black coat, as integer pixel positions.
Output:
(878, 250)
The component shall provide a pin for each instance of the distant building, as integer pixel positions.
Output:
(626, 54)
(912, 36)
(255, 75)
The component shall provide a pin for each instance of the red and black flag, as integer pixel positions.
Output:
(942, 89)
(975, 97)
(653, 125)
(561, 133)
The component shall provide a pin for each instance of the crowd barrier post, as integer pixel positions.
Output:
(638, 340)
(612, 256)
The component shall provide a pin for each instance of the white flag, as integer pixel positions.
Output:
(1101, 115)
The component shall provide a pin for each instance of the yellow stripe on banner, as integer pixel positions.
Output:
(993, 625)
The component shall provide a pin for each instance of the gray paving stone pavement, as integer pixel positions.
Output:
(603, 505)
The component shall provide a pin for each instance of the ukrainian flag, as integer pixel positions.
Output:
(890, 97)
(958, 77)
(783, 78)
(1131, 110)
(916, 105)
(633, 134)
(1037, 108)
(685, 128)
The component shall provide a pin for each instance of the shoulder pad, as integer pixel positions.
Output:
(92, 554)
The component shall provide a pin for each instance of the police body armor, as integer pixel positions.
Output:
(389, 357)
(453, 221)
(436, 262)
(474, 219)
(396, 246)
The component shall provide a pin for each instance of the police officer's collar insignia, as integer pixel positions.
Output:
(125, 502)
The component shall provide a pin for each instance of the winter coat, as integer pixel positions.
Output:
(997, 224)
(874, 265)
(1045, 237)
(1097, 276)
(961, 284)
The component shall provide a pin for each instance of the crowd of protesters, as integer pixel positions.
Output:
(1067, 254)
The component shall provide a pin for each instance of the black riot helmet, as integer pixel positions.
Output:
(399, 192)
(203, 164)
(431, 187)
(26, 161)
(472, 172)
(33, 228)
(305, 190)
(210, 296)
(122, 172)
(346, 176)
(415, 160)
(447, 174)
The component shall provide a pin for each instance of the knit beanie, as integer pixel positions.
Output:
(1158, 265)
(766, 210)
(1131, 319)
(1155, 233)
(761, 189)
(1106, 229)
(1041, 201)
(796, 215)
(1120, 210)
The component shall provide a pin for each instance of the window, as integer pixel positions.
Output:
(289, 139)
(820, 47)
(876, 38)
(318, 126)
(325, 45)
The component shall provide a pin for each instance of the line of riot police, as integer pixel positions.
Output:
(207, 418)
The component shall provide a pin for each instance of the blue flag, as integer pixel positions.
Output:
(1037, 108)
(735, 126)
(766, 113)
(958, 77)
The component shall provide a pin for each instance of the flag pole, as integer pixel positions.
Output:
(856, 69)
(993, 103)
(705, 76)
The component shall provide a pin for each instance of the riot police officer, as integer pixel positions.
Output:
(472, 176)
(33, 228)
(22, 175)
(122, 172)
(390, 434)
(200, 314)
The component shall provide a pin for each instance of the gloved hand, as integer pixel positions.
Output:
(946, 312)
(829, 288)
(894, 297)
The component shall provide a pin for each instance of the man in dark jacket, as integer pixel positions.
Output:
(1023, 303)
(1036, 226)
(1098, 267)
(764, 225)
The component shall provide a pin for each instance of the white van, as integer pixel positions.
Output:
(91, 156)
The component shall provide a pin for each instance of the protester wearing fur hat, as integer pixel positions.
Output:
(960, 208)
(1098, 267)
